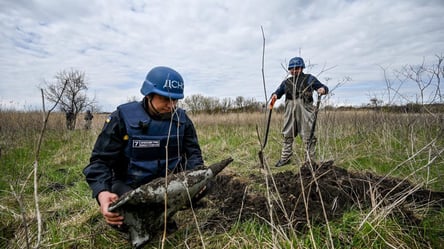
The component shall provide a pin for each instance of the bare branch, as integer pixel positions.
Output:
(36, 164)
(263, 59)
(72, 100)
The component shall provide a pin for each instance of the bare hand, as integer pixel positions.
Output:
(273, 97)
(272, 100)
(321, 91)
(105, 199)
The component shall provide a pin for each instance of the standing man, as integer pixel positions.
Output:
(88, 119)
(70, 119)
(141, 141)
(299, 110)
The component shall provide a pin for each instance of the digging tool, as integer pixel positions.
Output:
(313, 127)
(267, 129)
(144, 208)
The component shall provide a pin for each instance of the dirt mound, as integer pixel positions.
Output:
(328, 191)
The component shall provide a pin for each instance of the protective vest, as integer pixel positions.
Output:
(151, 143)
(299, 86)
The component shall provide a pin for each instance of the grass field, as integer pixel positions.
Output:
(405, 146)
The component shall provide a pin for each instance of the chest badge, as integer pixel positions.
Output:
(146, 144)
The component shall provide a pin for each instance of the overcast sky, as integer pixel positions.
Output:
(215, 45)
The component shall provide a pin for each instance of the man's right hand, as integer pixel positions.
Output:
(272, 100)
(105, 198)
(321, 91)
(274, 97)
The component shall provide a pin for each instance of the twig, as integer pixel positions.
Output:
(195, 218)
(18, 197)
(408, 159)
(36, 163)
(263, 59)
(307, 214)
(165, 217)
(264, 164)
(242, 204)
(395, 187)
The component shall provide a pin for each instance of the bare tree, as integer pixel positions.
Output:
(210, 104)
(438, 71)
(375, 102)
(226, 104)
(240, 102)
(194, 103)
(73, 99)
(428, 80)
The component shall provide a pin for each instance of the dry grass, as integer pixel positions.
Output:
(358, 140)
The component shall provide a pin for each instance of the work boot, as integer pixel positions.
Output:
(287, 151)
(283, 162)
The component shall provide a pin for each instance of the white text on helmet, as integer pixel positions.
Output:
(173, 84)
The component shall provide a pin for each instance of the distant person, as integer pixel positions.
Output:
(298, 117)
(131, 149)
(70, 118)
(88, 119)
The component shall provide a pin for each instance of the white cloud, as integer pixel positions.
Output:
(217, 46)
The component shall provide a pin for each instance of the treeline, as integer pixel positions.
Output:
(198, 103)
(212, 105)
(408, 108)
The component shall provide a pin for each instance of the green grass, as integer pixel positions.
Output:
(359, 141)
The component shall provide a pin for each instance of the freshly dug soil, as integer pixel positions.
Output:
(329, 191)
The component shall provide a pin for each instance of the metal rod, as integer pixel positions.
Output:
(313, 127)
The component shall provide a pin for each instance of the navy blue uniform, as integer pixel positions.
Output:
(132, 148)
(301, 86)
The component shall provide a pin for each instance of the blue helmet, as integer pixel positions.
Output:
(296, 62)
(163, 81)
